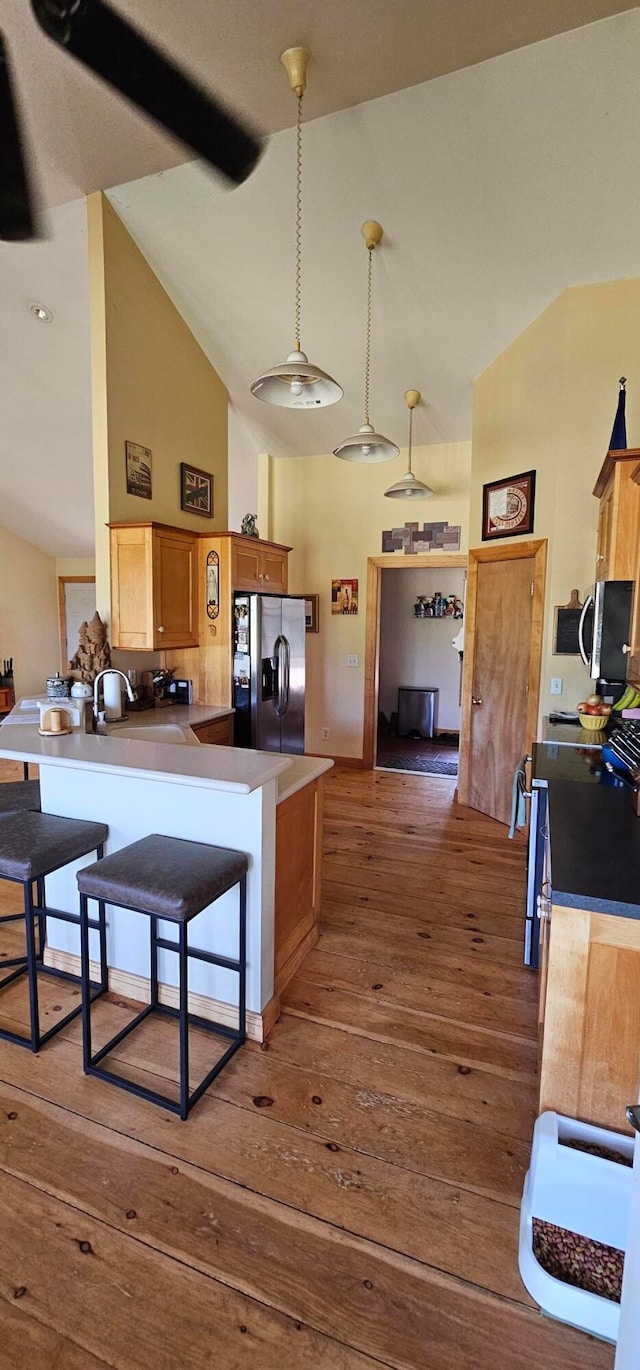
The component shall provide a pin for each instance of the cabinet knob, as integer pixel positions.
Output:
(626, 648)
(475, 700)
(160, 630)
(265, 577)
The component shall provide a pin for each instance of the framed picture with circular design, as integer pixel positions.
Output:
(507, 506)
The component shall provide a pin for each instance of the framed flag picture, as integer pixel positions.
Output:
(196, 490)
(507, 506)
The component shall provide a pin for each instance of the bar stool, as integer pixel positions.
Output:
(167, 878)
(18, 796)
(32, 846)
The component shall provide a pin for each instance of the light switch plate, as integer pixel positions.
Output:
(556, 685)
(352, 660)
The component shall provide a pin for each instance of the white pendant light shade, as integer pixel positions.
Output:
(296, 383)
(410, 487)
(366, 445)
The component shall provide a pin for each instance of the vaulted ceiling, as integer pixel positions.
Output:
(498, 183)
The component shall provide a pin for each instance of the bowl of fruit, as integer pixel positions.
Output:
(594, 713)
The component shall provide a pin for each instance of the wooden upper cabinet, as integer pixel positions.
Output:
(258, 565)
(154, 589)
(619, 517)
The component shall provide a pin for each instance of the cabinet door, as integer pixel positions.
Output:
(174, 589)
(216, 734)
(131, 589)
(246, 566)
(274, 571)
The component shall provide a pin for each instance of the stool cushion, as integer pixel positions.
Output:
(20, 795)
(34, 844)
(166, 876)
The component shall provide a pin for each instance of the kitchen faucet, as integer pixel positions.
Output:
(109, 670)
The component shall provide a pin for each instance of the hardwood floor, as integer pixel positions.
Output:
(346, 1196)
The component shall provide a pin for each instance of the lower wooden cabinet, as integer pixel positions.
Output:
(6, 699)
(216, 734)
(298, 879)
(591, 1044)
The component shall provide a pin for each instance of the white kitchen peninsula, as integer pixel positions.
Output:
(223, 795)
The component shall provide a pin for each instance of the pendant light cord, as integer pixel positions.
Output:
(298, 292)
(410, 438)
(367, 349)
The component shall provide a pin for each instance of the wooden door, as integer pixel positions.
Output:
(175, 589)
(503, 633)
(605, 528)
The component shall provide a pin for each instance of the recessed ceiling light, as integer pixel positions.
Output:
(41, 313)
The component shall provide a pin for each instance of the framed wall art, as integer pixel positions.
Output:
(344, 596)
(196, 490)
(138, 470)
(311, 613)
(507, 506)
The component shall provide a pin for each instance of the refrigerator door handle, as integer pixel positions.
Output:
(287, 674)
(585, 609)
(279, 653)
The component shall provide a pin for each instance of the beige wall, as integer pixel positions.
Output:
(28, 613)
(152, 384)
(548, 403)
(333, 513)
(75, 566)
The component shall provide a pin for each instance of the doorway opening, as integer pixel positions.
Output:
(76, 605)
(433, 563)
(419, 689)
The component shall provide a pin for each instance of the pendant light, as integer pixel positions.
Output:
(366, 444)
(410, 487)
(297, 383)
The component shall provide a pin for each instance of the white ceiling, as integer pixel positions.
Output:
(86, 138)
(497, 186)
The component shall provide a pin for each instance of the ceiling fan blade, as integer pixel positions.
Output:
(17, 215)
(100, 38)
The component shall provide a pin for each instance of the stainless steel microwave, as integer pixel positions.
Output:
(604, 633)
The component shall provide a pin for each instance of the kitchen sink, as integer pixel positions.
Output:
(152, 732)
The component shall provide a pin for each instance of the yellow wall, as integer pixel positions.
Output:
(75, 566)
(548, 403)
(152, 384)
(332, 513)
(28, 613)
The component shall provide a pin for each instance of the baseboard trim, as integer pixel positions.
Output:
(288, 970)
(137, 987)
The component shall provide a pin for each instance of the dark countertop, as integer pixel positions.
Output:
(560, 762)
(595, 848)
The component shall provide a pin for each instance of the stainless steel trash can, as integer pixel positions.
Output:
(416, 710)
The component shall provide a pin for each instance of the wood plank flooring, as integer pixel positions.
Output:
(346, 1196)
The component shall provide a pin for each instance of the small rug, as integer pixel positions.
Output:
(426, 765)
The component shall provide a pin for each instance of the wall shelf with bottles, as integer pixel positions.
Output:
(438, 606)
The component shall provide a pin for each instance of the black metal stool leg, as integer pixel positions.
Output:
(32, 965)
(86, 986)
(42, 917)
(242, 957)
(153, 937)
(184, 1021)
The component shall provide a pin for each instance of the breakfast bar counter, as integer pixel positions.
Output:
(222, 795)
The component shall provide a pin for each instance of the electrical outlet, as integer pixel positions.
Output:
(352, 661)
(325, 734)
(556, 685)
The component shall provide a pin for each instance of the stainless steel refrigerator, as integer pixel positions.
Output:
(268, 672)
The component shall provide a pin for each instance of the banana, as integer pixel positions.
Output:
(624, 701)
(629, 700)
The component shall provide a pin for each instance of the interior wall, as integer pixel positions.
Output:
(28, 613)
(332, 513)
(243, 471)
(153, 385)
(418, 651)
(547, 404)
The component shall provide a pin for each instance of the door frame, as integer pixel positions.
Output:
(62, 610)
(536, 548)
(375, 566)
